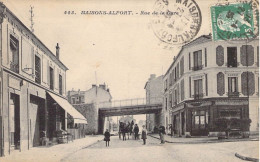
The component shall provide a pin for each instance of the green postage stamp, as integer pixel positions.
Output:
(234, 21)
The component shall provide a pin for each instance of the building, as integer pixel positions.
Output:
(95, 94)
(212, 82)
(33, 84)
(154, 95)
(87, 102)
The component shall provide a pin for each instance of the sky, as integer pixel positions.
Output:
(122, 50)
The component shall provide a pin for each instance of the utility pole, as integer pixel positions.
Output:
(31, 19)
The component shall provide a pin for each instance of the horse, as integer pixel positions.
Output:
(125, 129)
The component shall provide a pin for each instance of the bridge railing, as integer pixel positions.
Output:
(130, 102)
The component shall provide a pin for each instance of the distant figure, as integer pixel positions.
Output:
(136, 130)
(107, 138)
(162, 133)
(123, 133)
(144, 132)
(131, 127)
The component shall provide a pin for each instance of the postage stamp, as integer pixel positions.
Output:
(176, 22)
(235, 21)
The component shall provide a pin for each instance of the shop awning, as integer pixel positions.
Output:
(78, 117)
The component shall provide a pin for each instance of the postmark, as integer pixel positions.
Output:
(238, 21)
(176, 22)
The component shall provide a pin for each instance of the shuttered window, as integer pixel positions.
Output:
(37, 70)
(206, 64)
(60, 84)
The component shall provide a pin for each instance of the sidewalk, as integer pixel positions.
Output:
(204, 139)
(250, 152)
(51, 154)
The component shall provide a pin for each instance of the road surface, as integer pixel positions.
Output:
(134, 150)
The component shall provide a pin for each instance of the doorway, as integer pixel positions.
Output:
(14, 117)
(182, 123)
(37, 119)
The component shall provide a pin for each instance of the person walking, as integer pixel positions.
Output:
(107, 138)
(136, 130)
(144, 132)
(162, 133)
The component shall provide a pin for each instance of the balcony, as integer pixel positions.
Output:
(14, 67)
(233, 94)
(195, 68)
(198, 96)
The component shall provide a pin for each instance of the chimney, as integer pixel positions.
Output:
(103, 86)
(108, 90)
(58, 51)
(152, 76)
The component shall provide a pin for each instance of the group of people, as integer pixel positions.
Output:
(136, 134)
(143, 135)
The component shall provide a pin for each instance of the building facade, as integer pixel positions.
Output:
(210, 83)
(154, 95)
(33, 85)
(87, 102)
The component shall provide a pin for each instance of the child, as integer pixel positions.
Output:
(107, 138)
(144, 134)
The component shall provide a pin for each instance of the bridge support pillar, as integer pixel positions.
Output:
(101, 122)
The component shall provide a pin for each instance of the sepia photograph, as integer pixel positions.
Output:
(132, 81)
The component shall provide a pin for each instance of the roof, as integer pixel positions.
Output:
(199, 40)
(53, 57)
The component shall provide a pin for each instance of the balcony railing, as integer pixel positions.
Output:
(233, 94)
(14, 67)
(195, 68)
(198, 96)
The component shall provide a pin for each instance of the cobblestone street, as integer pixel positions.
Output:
(134, 150)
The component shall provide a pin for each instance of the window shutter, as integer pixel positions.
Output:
(206, 84)
(182, 90)
(48, 72)
(190, 85)
(189, 62)
(220, 55)
(247, 55)
(248, 79)
(220, 83)
(27, 58)
(257, 57)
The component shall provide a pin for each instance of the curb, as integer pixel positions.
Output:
(200, 142)
(246, 158)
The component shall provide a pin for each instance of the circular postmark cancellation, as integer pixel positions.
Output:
(237, 21)
(176, 22)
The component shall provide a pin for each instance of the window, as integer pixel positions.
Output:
(231, 113)
(232, 57)
(73, 100)
(166, 103)
(178, 70)
(232, 86)
(51, 79)
(176, 96)
(37, 70)
(165, 84)
(206, 57)
(197, 58)
(60, 84)
(14, 46)
(198, 89)
(170, 100)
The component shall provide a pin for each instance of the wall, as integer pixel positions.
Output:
(90, 113)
